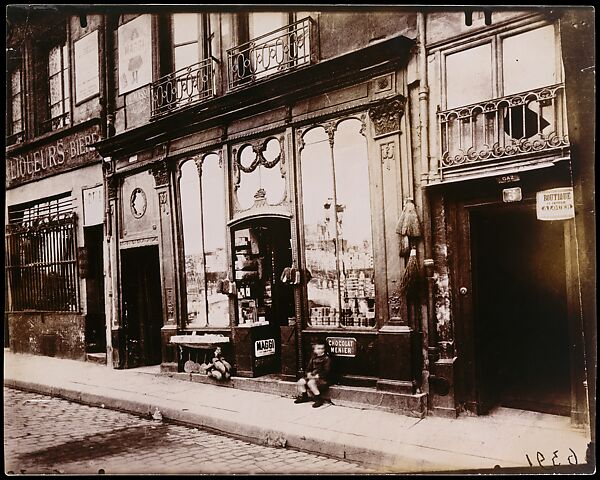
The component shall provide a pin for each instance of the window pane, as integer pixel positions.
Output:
(192, 241)
(185, 27)
(354, 225)
(469, 76)
(265, 22)
(186, 55)
(215, 238)
(526, 68)
(16, 108)
(54, 64)
(67, 87)
(55, 89)
(319, 228)
(15, 81)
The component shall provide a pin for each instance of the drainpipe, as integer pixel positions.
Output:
(428, 327)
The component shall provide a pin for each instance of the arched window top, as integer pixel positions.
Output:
(327, 130)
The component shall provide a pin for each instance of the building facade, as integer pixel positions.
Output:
(54, 238)
(404, 193)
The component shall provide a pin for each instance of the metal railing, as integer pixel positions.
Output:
(502, 128)
(186, 86)
(294, 45)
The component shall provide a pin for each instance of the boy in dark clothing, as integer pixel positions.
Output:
(317, 376)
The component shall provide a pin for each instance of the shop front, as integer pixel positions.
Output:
(54, 297)
(274, 231)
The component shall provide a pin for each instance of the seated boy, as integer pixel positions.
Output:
(317, 375)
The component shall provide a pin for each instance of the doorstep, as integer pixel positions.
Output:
(414, 405)
(96, 358)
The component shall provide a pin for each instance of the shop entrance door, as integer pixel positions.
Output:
(142, 306)
(95, 319)
(520, 311)
(262, 250)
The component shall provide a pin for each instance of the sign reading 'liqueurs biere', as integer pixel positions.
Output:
(555, 204)
(58, 155)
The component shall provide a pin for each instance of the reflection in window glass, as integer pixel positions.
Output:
(341, 291)
(204, 238)
(469, 76)
(192, 241)
(531, 67)
(215, 232)
(354, 225)
(319, 228)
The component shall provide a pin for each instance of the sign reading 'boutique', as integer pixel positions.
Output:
(57, 156)
(555, 204)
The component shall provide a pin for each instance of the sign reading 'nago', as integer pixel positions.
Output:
(263, 348)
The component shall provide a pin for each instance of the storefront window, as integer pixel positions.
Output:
(261, 174)
(204, 238)
(337, 227)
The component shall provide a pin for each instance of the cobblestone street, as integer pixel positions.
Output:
(49, 435)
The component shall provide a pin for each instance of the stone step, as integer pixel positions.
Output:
(350, 396)
(96, 358)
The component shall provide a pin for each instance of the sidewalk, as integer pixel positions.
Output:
(382, 440)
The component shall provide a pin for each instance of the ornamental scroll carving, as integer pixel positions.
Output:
(386, 115)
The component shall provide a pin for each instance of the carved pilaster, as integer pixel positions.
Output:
(386, 115)
(388, 155)
(112, 187)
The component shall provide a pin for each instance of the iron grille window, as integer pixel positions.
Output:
(41, 256)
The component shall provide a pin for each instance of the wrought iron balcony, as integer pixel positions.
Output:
(502, 129)
(183, 87)
(292, 46)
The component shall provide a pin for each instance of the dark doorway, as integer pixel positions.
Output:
(262, 251)
(521, 316)
(142, 306)
(95, 321)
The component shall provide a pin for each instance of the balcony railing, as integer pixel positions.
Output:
(291, 46)
(183, 87)
(495, 130)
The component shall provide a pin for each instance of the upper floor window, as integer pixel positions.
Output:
(502, 66)
(58, 86)
(191, 32)
(503, 97)
(15, 124)
(187, 64)
(268, 43)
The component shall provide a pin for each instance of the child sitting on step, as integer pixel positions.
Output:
(317, 376)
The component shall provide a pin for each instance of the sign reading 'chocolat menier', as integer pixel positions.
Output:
(50, 158)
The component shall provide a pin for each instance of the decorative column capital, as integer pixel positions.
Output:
(112, 187)
(160, 172)
(386, 115)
